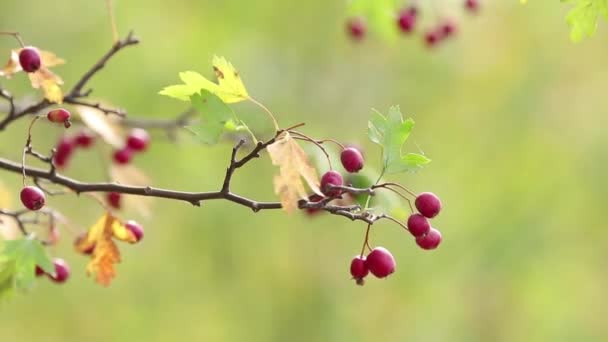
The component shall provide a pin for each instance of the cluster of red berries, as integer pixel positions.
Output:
(68, 144)
(407, 20)
(137, 141)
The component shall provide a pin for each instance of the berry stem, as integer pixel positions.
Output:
(369, 196)
(333, 141)
(28, 147)
(272, 117)
(366, 241)
(384, 216)
(301, 136)
(15, 35)
(402, 188)
(110, 9)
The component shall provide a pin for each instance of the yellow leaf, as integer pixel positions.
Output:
(12, 66)
(105, 252)
(49, 82)
(49, 59)
(231, 88)
(102, 124)
(293, 166)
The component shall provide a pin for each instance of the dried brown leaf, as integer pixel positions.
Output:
(101, 124)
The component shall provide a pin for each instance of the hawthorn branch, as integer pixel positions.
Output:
(24, 217)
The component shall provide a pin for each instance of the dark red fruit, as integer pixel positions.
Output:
(29, 59)
(431, 240)
(79, 239)
(428, 204)
(447, 29)
(32, 197)
(136, 229)
(418, 225)
(60, 115)
(84, 139)
(138, 140)
(407, 19)
(380, 262)
(356, 28)
(64, 150)
(62, 271)
(123, 156)
(472, 5)
(352, 159)
(39, 271)
(331, 178)
(114, 199)
(431, 38)
(358, 269)
(314, 198)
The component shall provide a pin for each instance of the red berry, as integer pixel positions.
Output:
(39, 271)
(431, 240)
(352, 159)
(331, 178)
(418, 225)
(472, 5)
(123, 156)
(356, 28)
(407, 19)
(62, 271)
(32, 197)
(138, 140)
(314, 198)
(431, 38)
(84, 139)
(60, 115)
(29, 59)
(114, 199)
(428, 204)
(358, 269)
(380, 262)
(136, 229)
(64, 150)
(447, 29)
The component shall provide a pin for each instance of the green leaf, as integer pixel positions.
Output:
(583, 18)
(216, 117)
(391, 132)
(21, 257)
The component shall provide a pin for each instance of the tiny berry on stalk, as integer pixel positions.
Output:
(472, 5)
(84, 139)
(352, 159)
(331, 178)
(447, 29)
(358, 269)
(114, 199)
(356, 28)
(60, 115)
(380, 262)
(418, 225)
(123, 156)
(64, 150)
(62, 271)
(431, 38)
(314, 198)
(136, 229)
(29, 59)
(32, 198)
(431, 240)
(407, 19)
(428, 204)
(138, 139)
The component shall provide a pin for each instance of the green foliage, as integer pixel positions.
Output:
(391, 132)
(216, 117)
(583, 18)
(18, 261)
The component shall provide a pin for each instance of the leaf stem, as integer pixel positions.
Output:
(16, 36)
(274, 120)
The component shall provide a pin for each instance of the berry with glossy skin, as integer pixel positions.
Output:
(314, 198)
(123, 156)
(138, 140)
(428, 204)
(430, 240)
(32, 198)
(64, 150)
(29, 59)
(418, 225)
(407, 19)
(358, 269)
(431, 38)
(472, 5)
(62, 271)
(380, 262)
(114, 199)
(60, 115)
(331, 178)
(136, 229)
(352, 159)
(84, 139)
(356, 28)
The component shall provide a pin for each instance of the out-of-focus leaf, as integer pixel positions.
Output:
(102, 124)
(215, 116)
(583, 18)
(18, 261)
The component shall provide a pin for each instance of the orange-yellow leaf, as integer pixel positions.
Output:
(49, 82)
(12, 66)
(293, 166)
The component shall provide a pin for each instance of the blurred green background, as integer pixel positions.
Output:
(511, 112)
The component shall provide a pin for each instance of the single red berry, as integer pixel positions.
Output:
(62, 271)
(430, 240)
(431, 38)
(123, 156)
(471, 5)
(331, 178)
(114, 199)
(32, 198)
(314, 198)
(418, 225)
(64, 150)
(39, 271)
(358, 269)
(428, 204)
(79, 239)
(84, 139)
(356, 28)
(29, 59)
(447, 29)
(352, 159)
(136, 229)
(407, 19)
(380, 262)
(60, 115)
(138, 139)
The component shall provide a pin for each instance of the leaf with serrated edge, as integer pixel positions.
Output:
(293, 166)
